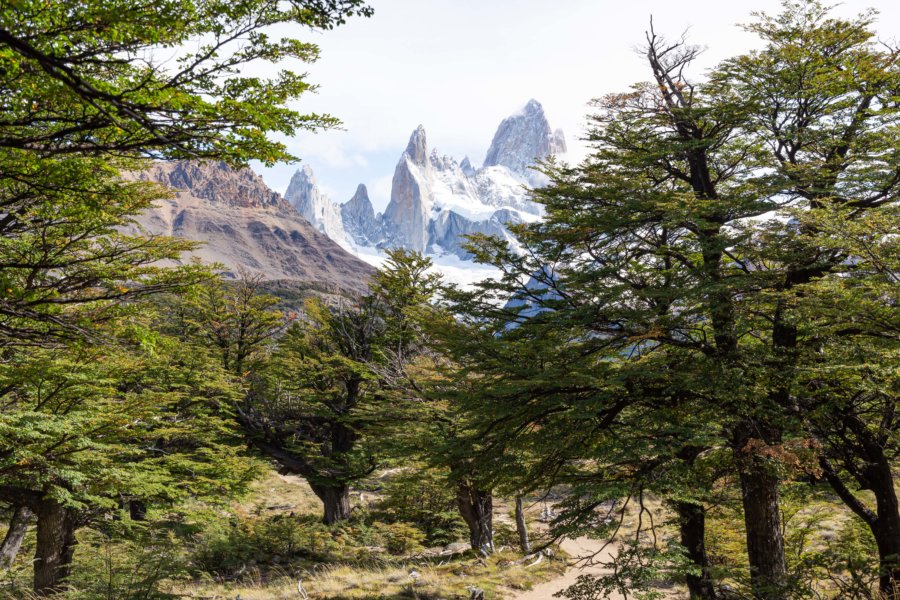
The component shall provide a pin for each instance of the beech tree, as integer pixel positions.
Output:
(323, 405)
(693, 242)
(84, 428)
(91, 89)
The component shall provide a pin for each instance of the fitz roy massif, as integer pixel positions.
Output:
(437, 201)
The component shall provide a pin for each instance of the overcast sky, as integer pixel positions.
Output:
(459, 67)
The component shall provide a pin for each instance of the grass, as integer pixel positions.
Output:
(498, 575)
(352, 574)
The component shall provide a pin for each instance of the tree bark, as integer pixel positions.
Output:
(765, 540)
(886, 528)
(137, 510)
(336, 502)
(476, 508)
(692, 526)
(12, 543)
(522, 527)
(884, 522)
(56, 526)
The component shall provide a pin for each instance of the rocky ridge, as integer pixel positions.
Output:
(246, 227)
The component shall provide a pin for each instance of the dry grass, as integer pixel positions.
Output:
(497, 576)
(383, 577)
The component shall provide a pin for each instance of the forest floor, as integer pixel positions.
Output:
(577, 548)
(503, 575)
(586, 556)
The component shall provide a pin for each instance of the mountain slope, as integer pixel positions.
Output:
(246, 226)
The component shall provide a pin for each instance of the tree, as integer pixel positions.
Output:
(821, 96)
(89, 90)
(88, 85)
(323, 403)
(84, 428)
(237, 318)
(686, 244)
(15, 535)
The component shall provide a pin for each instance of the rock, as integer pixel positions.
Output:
(455, 548)
(447, 232)
(245, 226)
(466, 167)
(303, 193)
(417, 148)
(436, 202)
(405, 219)
(523, 139)
(358, 218)
(216, 183)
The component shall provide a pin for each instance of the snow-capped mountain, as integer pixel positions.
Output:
(314, 206)
(436, 201)
(522, 139)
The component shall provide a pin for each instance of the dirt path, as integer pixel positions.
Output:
(579, 547)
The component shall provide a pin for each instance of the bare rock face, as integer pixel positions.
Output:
(245, 226)
(417, 148)
(523, 139)
(359, 219)
(314, 206)
(405, 219)
(448, 231)
(216, 182)
(466, 167)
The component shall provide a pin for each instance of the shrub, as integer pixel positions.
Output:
(423, 497)
(401, 538)
(224, 549)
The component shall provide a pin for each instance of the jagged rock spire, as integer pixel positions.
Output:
(523, 139)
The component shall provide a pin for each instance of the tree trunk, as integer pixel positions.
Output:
(12, 543)
(884, 522)
(692, 525)
(886, 527)
(476, 508)
(56, 526)
(522, 527)
(336, 502)
(137, 510)
(765, 541)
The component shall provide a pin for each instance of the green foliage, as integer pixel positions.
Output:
(135, 565)
(327, 402)
(73, 92)
(426, 498)
(713, 293)
(226, 548)
(103, 401)
(88, 426)
(401, 538)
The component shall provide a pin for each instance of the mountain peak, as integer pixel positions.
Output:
(245, 226)
(304, 194)
(216, 182)
(531, 108)
(417, 148)
(359, 219)
(522, 139)
(466, 167)
(360, 193)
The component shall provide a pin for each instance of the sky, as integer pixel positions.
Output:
(459, 67)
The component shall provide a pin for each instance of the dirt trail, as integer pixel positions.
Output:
(579, 547)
